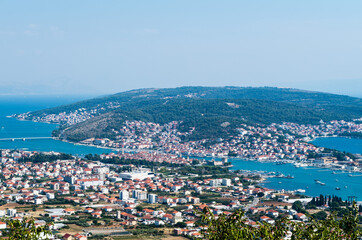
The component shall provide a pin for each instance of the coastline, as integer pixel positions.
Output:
(296, 163)
(290, 185)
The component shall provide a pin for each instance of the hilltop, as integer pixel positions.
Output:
(214, 112)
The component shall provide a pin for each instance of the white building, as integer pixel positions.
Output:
(50, 195)
(2, 213)
(139, 195)
(85, 183)
(215, 182)
(70, 179)
(141, 175)
(226, 182)
(124, 195)
(11, 212)
(152, 198)
(2, 225)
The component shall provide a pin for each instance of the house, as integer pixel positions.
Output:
(2, 225)
(69, 211)
(273, 213)
(79, 237)
(301, 217)
(67, 236)
(159, 223)
(96, 214)
(190, 224)
(267, 219)
(89, 210)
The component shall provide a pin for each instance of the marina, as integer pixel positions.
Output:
(310, 179)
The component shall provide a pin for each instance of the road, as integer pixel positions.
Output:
(253, 204)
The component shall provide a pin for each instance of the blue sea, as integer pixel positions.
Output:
(13, 128)
(303, 177)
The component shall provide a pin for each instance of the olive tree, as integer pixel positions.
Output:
(25, 229)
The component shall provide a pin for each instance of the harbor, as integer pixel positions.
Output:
(311, 179)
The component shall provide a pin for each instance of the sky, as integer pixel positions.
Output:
(103, 47)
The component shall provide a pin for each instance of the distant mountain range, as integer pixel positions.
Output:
(213, 111)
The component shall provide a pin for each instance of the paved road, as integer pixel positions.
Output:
(253, 204)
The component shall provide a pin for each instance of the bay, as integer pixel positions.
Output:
(13, 128)
(303, 177)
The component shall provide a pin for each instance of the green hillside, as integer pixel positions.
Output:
(205, 108)
(286, 95)
(206, 115)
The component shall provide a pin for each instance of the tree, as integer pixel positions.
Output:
(25, 229)
(321, 215)
(298, 206)
(181, 225)
(234, 227)
(260, 194)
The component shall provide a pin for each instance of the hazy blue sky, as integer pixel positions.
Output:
(98, 47)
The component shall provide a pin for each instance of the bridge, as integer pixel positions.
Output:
(26, 138)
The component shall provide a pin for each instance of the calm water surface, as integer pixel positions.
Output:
(12, 128)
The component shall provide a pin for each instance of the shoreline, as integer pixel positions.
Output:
(296, 163)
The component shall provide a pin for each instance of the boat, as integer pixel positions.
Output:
(337, 188)
(345, 186)
(323, 184)
(300, 191)
(280, 182)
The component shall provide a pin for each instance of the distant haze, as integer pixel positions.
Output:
(102, 47)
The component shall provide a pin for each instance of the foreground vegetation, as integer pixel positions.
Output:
(235, 227)
(25, 229)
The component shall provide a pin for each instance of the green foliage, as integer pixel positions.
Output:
(207, 110)
(41, 157)
(298, 206)
(25, 229)
(137, 162)
(139, 208)
(180, 225)
(321, 215)
(352, 134)
(234, 227)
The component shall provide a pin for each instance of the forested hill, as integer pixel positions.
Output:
(213, 111)
(287, 95)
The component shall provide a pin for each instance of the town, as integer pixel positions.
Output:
(287, 142)
(82, 199)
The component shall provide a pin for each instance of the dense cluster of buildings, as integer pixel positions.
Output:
(71, 117)
(94, 190)
(274, 142)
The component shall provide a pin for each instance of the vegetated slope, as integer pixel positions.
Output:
(205, 108)
(206, 115)
(332, 102)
